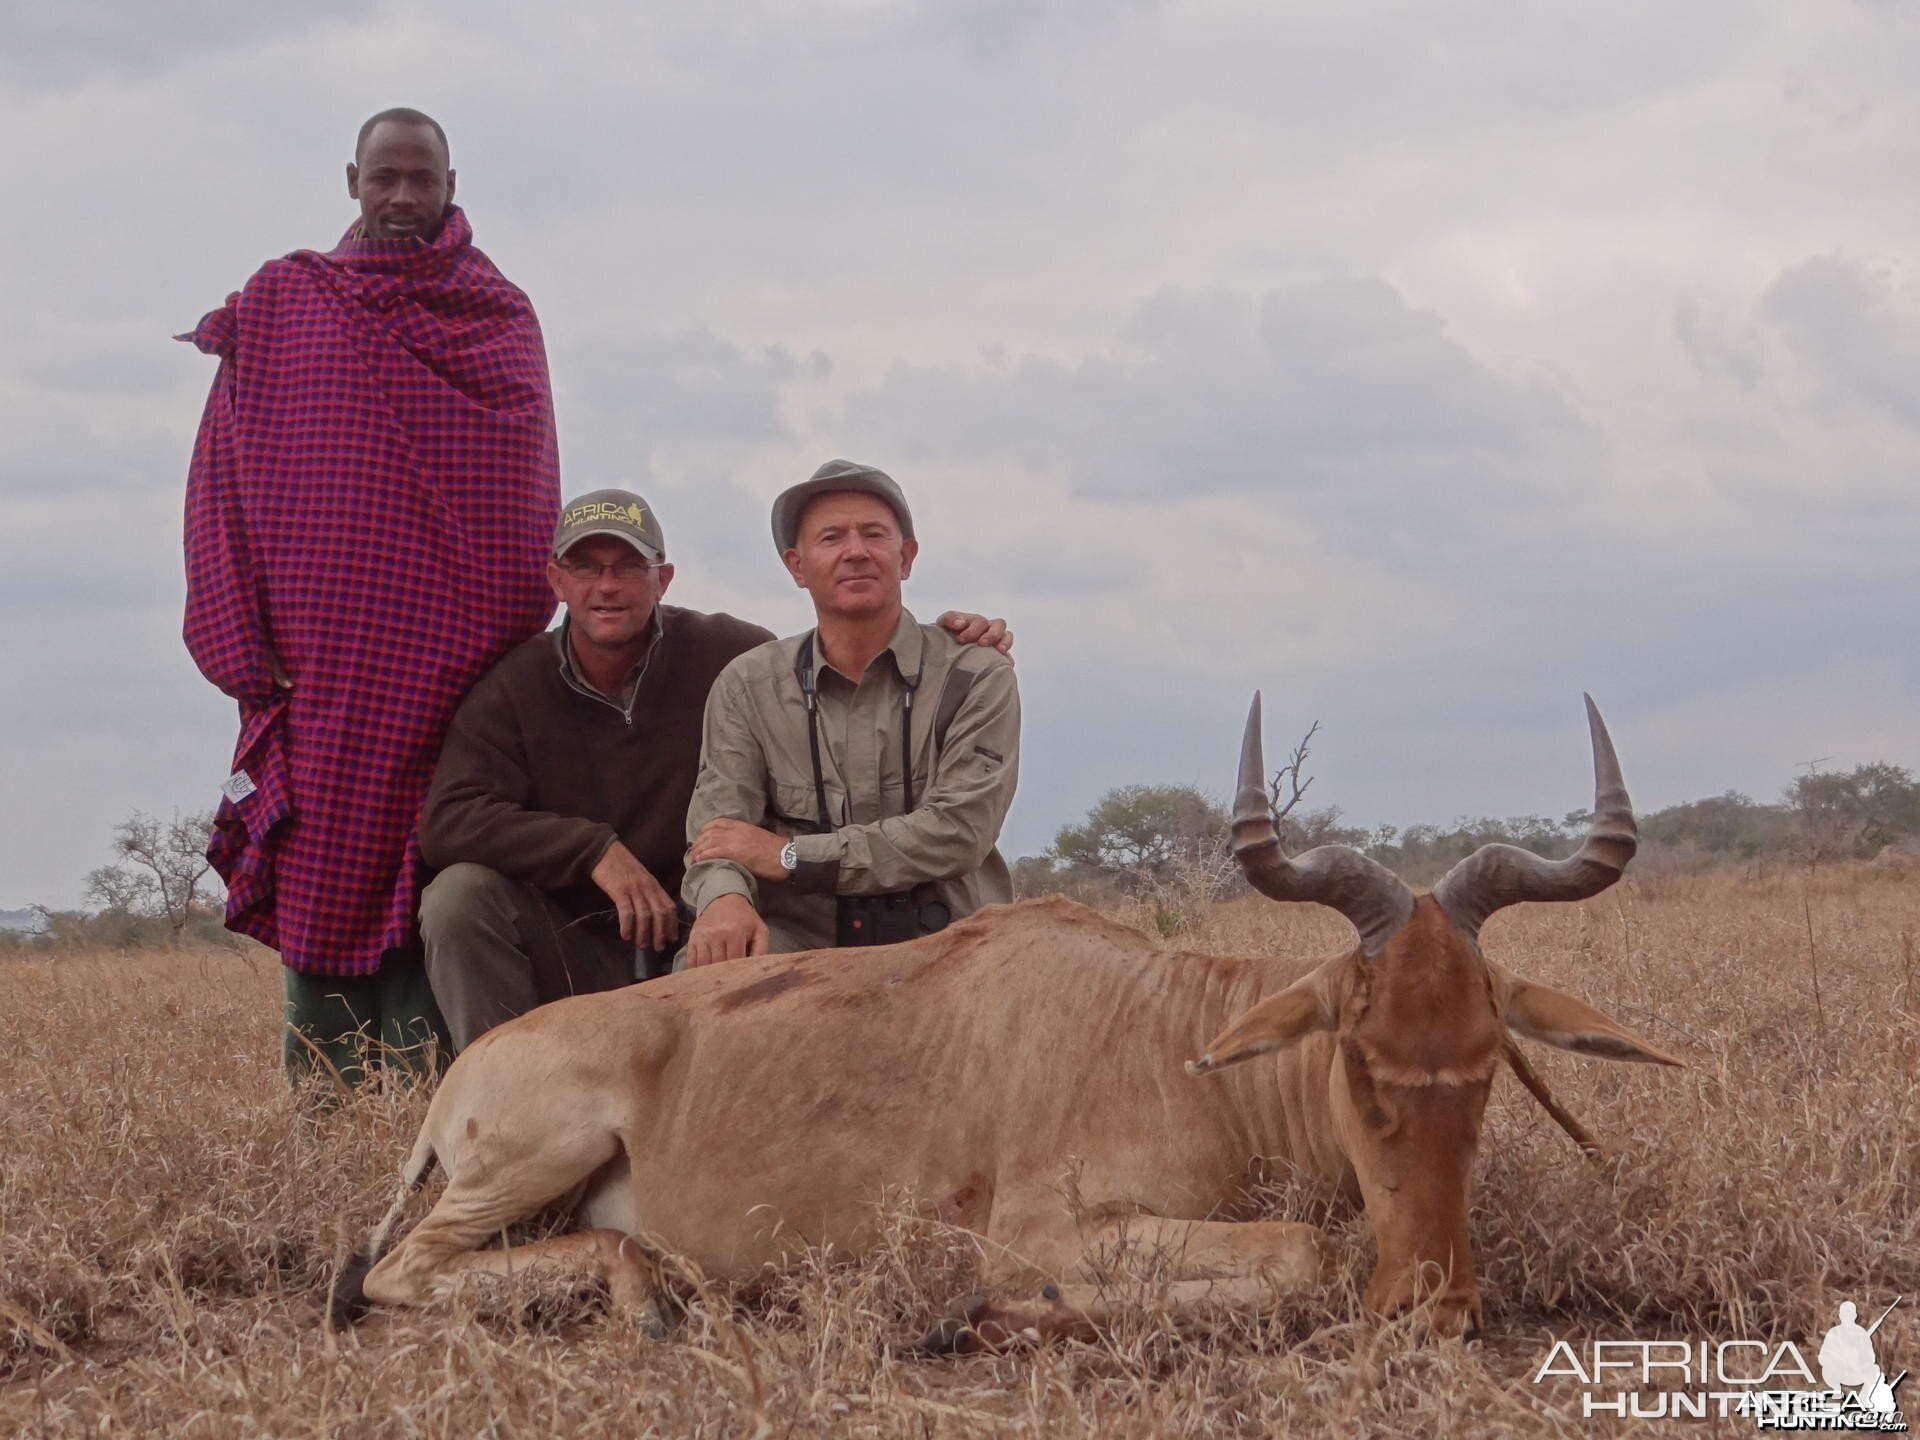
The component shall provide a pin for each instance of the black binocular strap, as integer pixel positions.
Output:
(950, 699)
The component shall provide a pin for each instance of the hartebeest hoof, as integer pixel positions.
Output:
(348, 1300)
(977, 1325)
(956, 1332)
(654, 1319)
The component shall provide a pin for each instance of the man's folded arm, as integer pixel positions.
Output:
(951, 830)
(476, 810)
(732, 786)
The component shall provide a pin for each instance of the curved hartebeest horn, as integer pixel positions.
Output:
(1496, 876)
(1367, 893)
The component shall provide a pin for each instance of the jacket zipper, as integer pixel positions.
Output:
(625, 711)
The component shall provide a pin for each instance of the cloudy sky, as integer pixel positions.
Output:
(1423, 365)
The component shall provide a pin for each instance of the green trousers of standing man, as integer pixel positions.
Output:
(349, 1026)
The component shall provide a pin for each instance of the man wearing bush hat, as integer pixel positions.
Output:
(557, 815)
(853, 780)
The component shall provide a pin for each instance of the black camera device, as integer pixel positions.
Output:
(891, 918)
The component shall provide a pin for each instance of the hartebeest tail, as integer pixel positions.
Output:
(348, 1301)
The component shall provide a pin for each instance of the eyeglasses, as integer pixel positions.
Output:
(587, 570)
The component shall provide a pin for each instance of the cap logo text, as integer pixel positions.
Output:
(601, 511)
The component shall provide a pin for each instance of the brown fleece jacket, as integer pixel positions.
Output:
(537, 779)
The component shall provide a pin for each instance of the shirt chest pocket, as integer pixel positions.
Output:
(795, 807)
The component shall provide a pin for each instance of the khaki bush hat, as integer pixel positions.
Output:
(619, 513)
(831, 478)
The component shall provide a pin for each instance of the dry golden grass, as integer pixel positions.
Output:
(169, 1219)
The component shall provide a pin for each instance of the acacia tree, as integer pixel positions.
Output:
(162, 872)
(1854, 812)
(1139, 832)
(1166, 845)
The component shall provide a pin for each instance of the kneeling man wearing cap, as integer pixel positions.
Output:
(557, 815)
(853, 780)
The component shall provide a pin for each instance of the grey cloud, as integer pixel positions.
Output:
(157, 687)
(680, 188)
(991, 31)
(674, 414)
(46, 45)
(1717, 348)
(1490, 722)
(851, 132)
(89, 355)
(92, 407)
(679, 388)
(59, 444)
(1338, 393)
(1853, 328)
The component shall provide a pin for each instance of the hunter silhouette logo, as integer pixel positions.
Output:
(1847, 1362)
(1768, 1381)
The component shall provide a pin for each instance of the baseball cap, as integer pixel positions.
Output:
(619, 513)
(832, 478)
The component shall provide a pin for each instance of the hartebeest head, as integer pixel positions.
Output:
(1420, 1019)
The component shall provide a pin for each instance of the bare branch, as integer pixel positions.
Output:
(1289, 775)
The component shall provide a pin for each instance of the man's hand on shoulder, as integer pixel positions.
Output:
(971, 629)
(647, 913)
(727, 929)
(758, 850)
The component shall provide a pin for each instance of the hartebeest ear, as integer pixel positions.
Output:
(1553, 1017)
(1276, 1022)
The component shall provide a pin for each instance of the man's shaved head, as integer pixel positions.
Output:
(402, 175)
(402, 115)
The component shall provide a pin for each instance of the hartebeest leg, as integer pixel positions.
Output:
(604, 1255)
(494, 1186)
(427, 1265)
(1079, 1312)
(1214, 1265)
(1288, 1255)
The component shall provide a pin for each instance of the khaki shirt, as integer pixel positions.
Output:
(755, 766)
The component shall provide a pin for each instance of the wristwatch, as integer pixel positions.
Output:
(789, 858)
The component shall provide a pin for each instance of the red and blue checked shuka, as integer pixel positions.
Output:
(370, 503)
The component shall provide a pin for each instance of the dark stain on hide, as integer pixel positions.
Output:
(765, 988)
(829, 1109)
(473, 1127)
(968, 1205)
(1360, 1085)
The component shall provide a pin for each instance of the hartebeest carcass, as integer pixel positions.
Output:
(736, 1113)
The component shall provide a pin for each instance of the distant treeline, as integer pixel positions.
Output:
(1164, 844)
(1157, 840)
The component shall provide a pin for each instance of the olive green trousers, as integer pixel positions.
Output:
(351, 1026)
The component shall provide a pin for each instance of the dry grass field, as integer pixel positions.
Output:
(169, 1219)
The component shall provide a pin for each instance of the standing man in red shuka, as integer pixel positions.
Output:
(369, 505)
